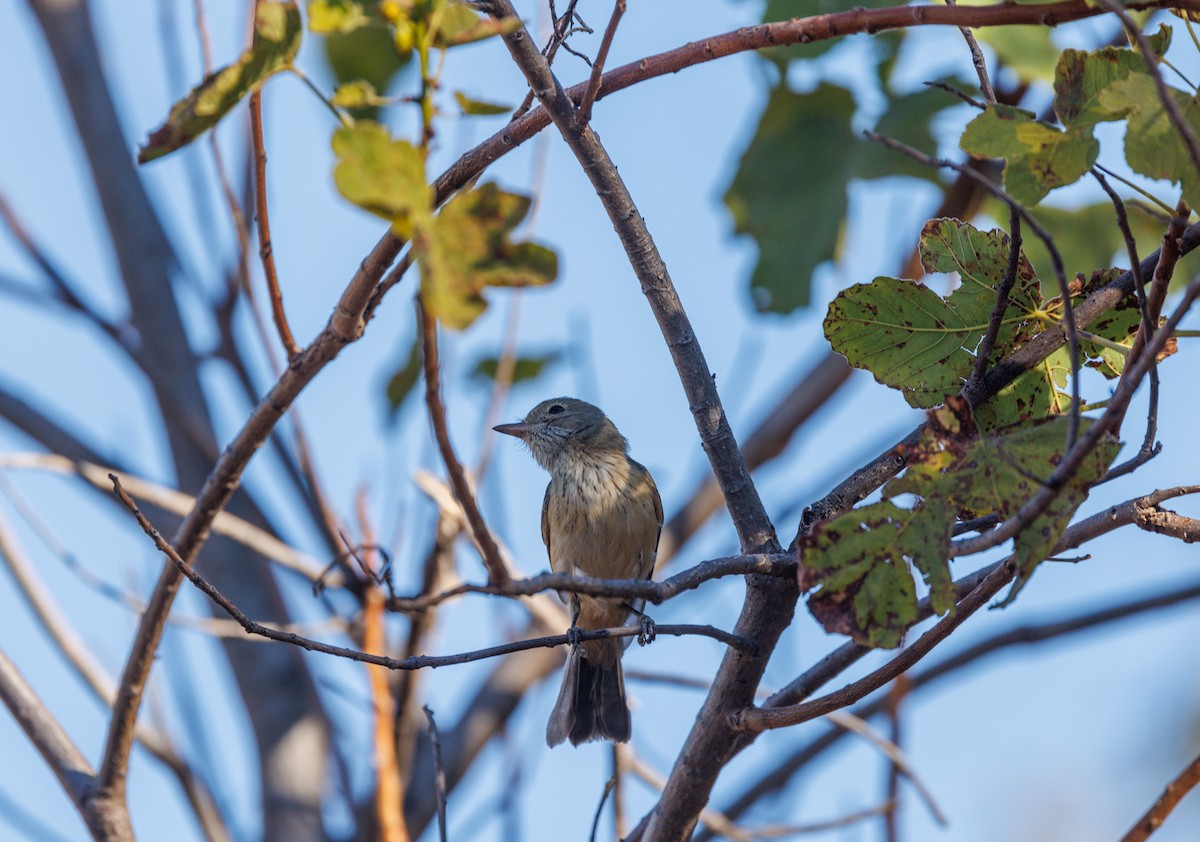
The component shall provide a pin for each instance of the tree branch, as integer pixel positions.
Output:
(1168, 801)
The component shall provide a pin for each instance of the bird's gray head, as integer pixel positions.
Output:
(567, 427)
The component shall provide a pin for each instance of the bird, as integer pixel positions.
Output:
(602, 517)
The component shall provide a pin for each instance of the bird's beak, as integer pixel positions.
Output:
(518, 430)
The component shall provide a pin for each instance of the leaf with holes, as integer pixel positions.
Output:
(276, 41)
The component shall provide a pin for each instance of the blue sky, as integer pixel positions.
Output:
(1065, 741)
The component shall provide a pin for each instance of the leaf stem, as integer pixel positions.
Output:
(345, 119)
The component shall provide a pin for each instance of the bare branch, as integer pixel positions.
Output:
(265, 253)
(779, 565)
(435, 740)
(584, 113)
(1168, 801)
(497, 572)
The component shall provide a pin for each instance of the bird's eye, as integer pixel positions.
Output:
(557, 409)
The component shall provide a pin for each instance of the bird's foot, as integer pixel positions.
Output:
(573, 639)
(647, 630)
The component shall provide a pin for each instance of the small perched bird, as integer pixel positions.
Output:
(601, 517)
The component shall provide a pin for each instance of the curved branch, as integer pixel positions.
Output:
(781, 565)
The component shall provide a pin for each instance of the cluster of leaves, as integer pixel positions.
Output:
(1104, 85)
(924, 344)
(861, 562)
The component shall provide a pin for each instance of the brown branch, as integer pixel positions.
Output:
(497, 571)
(812, 390)
(1167, 522)
(583, 115)
(262, 219)
(779, 565)
(87, 667)
(989, 96)
(1188, 779)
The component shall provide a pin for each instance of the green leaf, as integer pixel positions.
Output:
(478, 106)
(402, 381)
(906, 335)
(1080, 77)
(1153, 147)
(860, 562)
(524, 368)
(1035, 394)
(789, 192)
(467, 247)
(381, 175)
(329, 16)
(1038, 157)
(277, 31)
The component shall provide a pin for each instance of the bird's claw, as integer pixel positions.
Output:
(573, 639)
(647, 630)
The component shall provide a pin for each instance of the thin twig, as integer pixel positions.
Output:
(984, 352)
(963, 95)
(985, 84)
(779, 565)
(608, 788)
(435, 742)
(583, 115)
(497, 572)
(1168, 801)
(265, 253)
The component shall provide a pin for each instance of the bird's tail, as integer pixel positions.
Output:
(591, 704)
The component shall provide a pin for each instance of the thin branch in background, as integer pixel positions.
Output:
(984, 352)
(608, 788)
(262, 219)
(1165, 94)
(583, 115)
(506, 367)
(963, 95)
(435, 742)
(985, 84)
(620, 827)
(895, 697)
(1068, 310)
(1167, 802)
(389, 785)
(497, 571)
(1160, 283)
